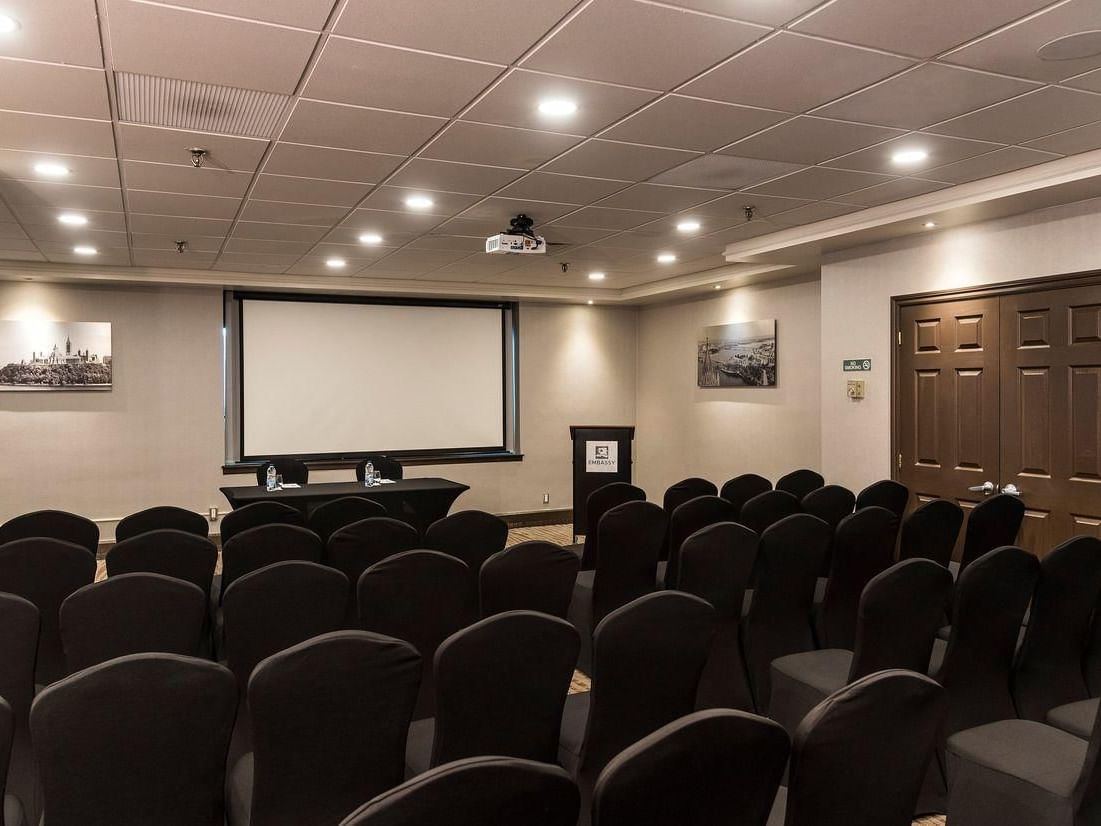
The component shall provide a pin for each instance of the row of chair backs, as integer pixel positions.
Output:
(160, 518)
(532, 576)
(52, 524)
(631, 537)
(600, 501)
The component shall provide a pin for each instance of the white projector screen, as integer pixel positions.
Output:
(326, 378)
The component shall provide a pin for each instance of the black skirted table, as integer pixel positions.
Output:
(419, 501)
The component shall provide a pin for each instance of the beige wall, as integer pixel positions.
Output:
(684, 430)
(157, 436)
(857, 286)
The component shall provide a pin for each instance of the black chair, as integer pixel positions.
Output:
(630, 539)
(900, 611)
(800, 482)
(993, 523)
(46, 571)
(137, 740)
(529, 576)
(422, 597)
(329, 517)
(715, 564)
(859, 757)
(472, 536)
(930, 531)
(1048, 672)
(389, 468)
(169, 552)
(679, 493)
(830, 503)
(500, 687)
(18, 644)
(292, 470)
(256, 514)
(329, 719)
(67, 527)
(741, 489)
(863, 546)
(599, 502)
(886, 493)
(479, 791)
(161, 518)
(647, 660)
(131, 614)
(789, 557)
(265, 545)
(356, 547)
(710, 767)
(11, 809)
(688, 518)
(766, 509)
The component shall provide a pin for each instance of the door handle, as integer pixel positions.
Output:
(986, 488)
(1011, 489)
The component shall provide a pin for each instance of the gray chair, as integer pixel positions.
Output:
(529, 576)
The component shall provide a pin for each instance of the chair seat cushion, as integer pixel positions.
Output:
(418, 746)
(13, 811)
(936, 658)
(779, 808)
(575, 716)
(802, 681)
(239, 790)
(944, 632)
(584, 581)
(1075, 718)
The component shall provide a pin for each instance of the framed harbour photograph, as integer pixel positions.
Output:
(737, 355)
(55, 355)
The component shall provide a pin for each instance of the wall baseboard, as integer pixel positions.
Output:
(532, 519)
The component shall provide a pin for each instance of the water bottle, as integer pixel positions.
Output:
(369, 474)
(271, 477)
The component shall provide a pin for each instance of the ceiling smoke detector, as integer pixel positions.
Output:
(1072, 47)
(181, 247)
(198, 157)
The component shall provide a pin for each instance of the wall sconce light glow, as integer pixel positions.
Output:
(50, 169)
(688, 226)
(84, 250)
(596, 276)
(718, 286)
(335, 263)
(370, 238)
(418, 202)
(929, 224)
(8, 24)
(590, 301)
(71, 219)
(666, 258)
(906, 157)
(557, 107)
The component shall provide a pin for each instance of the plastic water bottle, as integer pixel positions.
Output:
(369, 474)
(271, 477)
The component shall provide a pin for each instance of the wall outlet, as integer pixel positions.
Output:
(546, 498)
(212, 515)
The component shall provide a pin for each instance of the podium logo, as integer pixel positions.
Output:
(601, 457)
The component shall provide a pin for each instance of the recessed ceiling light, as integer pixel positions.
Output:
(688, 226)
(929, 224)
(72, 219)
(590, 301)
(335, 263)
(1072, 46)
(370, 238)
(83, 250)
(8, 24)
(418, 202)
(718, 286)
(557, 107)
(666, 258)
(596, 276)
(49, 169)
(905, 157)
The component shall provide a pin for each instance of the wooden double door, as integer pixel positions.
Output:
(1002, 393)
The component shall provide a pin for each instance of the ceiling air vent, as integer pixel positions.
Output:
(200, 107)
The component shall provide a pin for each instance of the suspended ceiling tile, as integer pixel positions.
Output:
(998, 162)
(894, 190)
(185, 179)
(192, 206)
(51, 134)
(659, 198)
(1043, 112)
(178, 226)
(623, 161)
(500, 210)
(50, 89)
(61, 196)
(278, 232)
(452, 176)
(330, 164)
(690, 123)
(602, 218)
(281, 212)
(724, 171)
(566, 189)
(167, 243)
(819, 183)
(940, 150)
(444, 204)
(810, 140)
(173, 146)
(308, 190)
(350, 127)
(768, 12)
(58, 31)
(497, 145)
(84, 170)
(304, 14)
(1071, 141)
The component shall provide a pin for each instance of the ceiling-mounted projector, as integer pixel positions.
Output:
(518, 239)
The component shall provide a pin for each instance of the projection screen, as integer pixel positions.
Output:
(324, 378)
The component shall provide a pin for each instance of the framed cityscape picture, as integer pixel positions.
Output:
(737, 355)
(55, 355)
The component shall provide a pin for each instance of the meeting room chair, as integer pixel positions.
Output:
(329, 720)
(768, 508)
(742, 488)
(52, 524)
(716, 564)
(18, 644)
(11, 808)
(800, 482)
(131, 614)
(830, 503)
(992, 523)
(886, 493)
(630, 539)
(859, 757)
(170, 552)
(265, 545)
(329, 517)
(472, 536)
(680, 492)
(778, 622)
(500, 687)
(707, 768)
(256, 514)
(478, 791)
(136, 740)
(930, 531)
(900, 611)
(863, 546)
(294, 471)
(422, 597)
(45, 571)
(686, 520)
(160, 518)
(647, 659)
(356, 547)
(529, 576)
(598, 503)
(389, 468)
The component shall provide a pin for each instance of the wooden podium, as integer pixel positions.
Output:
(601, 455)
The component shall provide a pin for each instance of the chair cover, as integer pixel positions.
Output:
(136, 741)
(356, 547)
(329, 517)
(163, 517)
(11, 810)
(993, 523)
(292, 470)
(830, 503)
(930, 531)
(265, 545)
(170, 552)
(600, 501)
(886, 493)
(529, 576)
(768, 508)
(389, 468)
(686, 520)
(256, 514)
(67, 527)
(741, 489)
(800, 482)
(679, 493)
(18, 644)
(472, 536)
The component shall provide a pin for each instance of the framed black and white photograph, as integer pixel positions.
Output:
(55, 355)
(737, 355)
